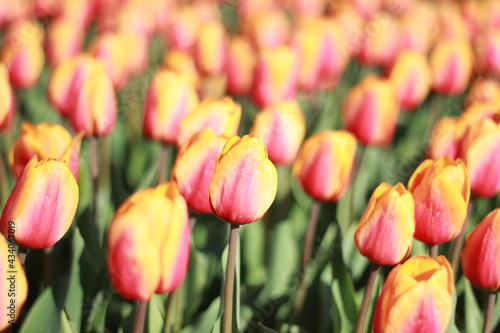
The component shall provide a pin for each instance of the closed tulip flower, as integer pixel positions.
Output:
(443, 139)
(480, 150)
(483, 89)
(487, 49)
(64, 40)
(211, 48)
(44, 140)
(282, 127)
(7, 104)
(95, 108)
(451, 66)
(325, 164)
(182, 62)
(309, 44)
(221, 115)
(481, 254)
(148, 242)
(42, 204)
(170, 98)
(417, 296)
(241, 61)
(411, 76)
(267, 29)
(194, 167)
(244, 182)
(441, 192)
(275, 76)
(14, 286)
(385, 232)
(371, 110)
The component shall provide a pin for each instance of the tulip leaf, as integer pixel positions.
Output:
(253, 244)
(206, 320)
(156, 314)
(66, 325)
(45, 311)
(473, 314)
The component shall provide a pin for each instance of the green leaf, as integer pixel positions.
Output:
(66, 325)
(156, 314)
(45, 311)
(473, 314)
(253, 244)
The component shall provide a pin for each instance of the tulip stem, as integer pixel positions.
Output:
(360, 324)
(163, 163)
(94, 171)
(140, 316)
(433, 250)
(227, 315)
(458, 243)
(488, 313)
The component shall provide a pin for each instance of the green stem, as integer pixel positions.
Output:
(163, 163)
(227, 315)
(4, 187)
(488, 313)
(458, 243)
(357, 167)
(140, 316)
(433, 250)
(360, 324)
(169, 312)
(94, 171)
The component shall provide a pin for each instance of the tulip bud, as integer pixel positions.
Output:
(480, 150)
(275, 76)
(44, 140)
(221, 115)
(443, 139)
(241, 61)
(325, 164)
(441, 192)
(194, 167)
(14, 286)
(483, 90)
(451, 66)
(95, 109)
(417, 296)
(7, 103)
(415, 28)
(23, 53)
(385, 232)
(171, 97)
(148, 242)
(211, 48)
(282, 127)
(481, 254)
(310, 46)
(487, 49)
(411, 76)
(268, 29)
(42, 204)
(182, 62)
(244, 182)
(64, 40)
(370, 111)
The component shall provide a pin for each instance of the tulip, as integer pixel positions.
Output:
(385, 232)
(148, 242)
(47, 8)
(244, 182)
(370, 111)
(42, 204)
(417, 296)
(282, 127)
(267, 29)
(325, 164)
(67, 79)
(411, 76)
(275, 76)
(487, 53)
(451, 66)
(351, 24)
(221, 115)
(480, 150)
(483, 90)
(443, 139)
(170, 98)
(44, 140)
(7, 104)
(194, 167)
(241, 61)
(14, 286)
(211, 48)
(481, 254)
(64, 40)
(182, 62)
(309, 7)
(95, 108)
(473, 114)
(309, 44)
(441, 192)
(451, 21)
(415, 28)
(23, 53)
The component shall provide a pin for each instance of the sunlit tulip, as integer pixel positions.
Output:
(211, 48)
(480, 150)
(441, 192)
(309, 7)
(325, 164)
(370, 111)
(95, 108)
(451, 66)
(171, 97)
(275, 76)
(443, 139)
(417, 296)
(483, 89)
(194, 167)
(282, 127)
(481, 254)
(473, 114)
(385, 232)
(487, 54)
(64, 40)
(244, 182)
(47, 8)
(7, 103)
(42, 204)
(44, 140)
(13, 286)
(241, 61)
(309, 44)
(221, 115)
(15, 11)
(411, 76)
(351, 24)
(416, 32)
(268, 29)
(148, 241)
(182, 62)
(23, 54)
